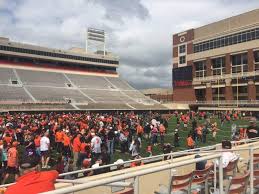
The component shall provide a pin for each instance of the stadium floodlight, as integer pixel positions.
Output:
(95, 40)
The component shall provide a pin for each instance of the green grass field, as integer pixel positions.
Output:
(223, 134)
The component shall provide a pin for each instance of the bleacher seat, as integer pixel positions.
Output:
(93, 82)
(42, 78)
(6, 75)
(56, 94)
(119, 83)
(42, 86)
(8, 93)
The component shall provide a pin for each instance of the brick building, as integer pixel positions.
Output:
(218, 61)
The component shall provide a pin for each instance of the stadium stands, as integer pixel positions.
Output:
(93, 82)
(82, 91)
(13, 93)
(119, 83)
(6, 75)
(42, 78)
(56, 94)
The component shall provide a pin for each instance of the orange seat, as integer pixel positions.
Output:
(200, 179)
(238, 184)
(126, 191)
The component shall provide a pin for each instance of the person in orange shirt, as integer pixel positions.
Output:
(190, 142)
(76, 150)
(37, 144)
(137, 163)
(8, 139)
(59, 139)
(33, 181)
(139, 130)
(162, 133)
(12, 162)
(66, 145)
(199, 132)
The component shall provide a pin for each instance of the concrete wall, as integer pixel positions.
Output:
(228, 24)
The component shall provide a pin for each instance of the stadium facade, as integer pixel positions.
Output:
(218, 61)
(39, 78)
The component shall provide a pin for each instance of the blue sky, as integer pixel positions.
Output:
(139, 31)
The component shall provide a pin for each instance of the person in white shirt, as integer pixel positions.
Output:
(96, 146)
(227, 156)
(44, 149)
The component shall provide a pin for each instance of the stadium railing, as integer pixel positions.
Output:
(204, 150)
(137, 174)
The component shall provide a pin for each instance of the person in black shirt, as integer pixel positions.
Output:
(252, 130)
(110, 140)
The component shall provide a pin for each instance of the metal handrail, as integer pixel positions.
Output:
(226, 76)
(136, 174)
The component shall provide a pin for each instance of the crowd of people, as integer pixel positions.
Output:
(71, 141)
(80, 140)
(200, 130)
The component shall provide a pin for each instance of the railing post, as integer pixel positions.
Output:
(221, 191)
(251, 169)
(136, 185)
(215, 175)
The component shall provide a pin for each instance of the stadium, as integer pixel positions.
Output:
(70, 124)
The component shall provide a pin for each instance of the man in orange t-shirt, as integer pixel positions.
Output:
(37, 144)
(12, 162)
(59, 138)
(76, 149)
(33, 181)
(190, 142)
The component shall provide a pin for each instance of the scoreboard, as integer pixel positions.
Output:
(182, 76)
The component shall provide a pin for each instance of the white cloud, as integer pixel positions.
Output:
(139, 31)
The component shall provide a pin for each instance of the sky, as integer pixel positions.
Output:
(138, 31)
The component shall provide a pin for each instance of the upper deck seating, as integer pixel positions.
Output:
(87, 81)
(42, 78)
(119, 83)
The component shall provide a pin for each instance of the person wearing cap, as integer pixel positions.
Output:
(12, 162)
(120, 164)
(252, 131)
(33, 181)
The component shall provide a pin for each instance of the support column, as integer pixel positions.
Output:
(251, 90)
(208, 67)
(208, 92)
(228, 90)
(250, 60)
(228, 64)
(193, 69)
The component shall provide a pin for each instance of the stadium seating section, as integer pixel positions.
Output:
(35, 90)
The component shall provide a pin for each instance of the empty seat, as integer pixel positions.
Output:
(56, 94)
(42, 78)
(87, 81)
(6, 75)
(106, 96)
(9, 93)
(119, 83)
